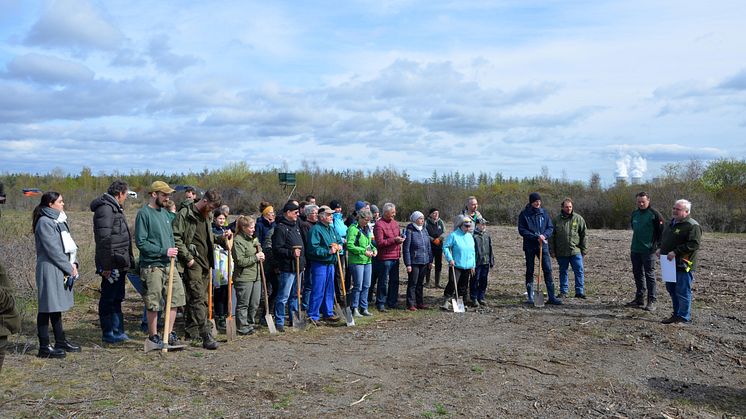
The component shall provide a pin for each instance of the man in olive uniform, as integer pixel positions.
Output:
(10, 322)
(195, 241)
(680, 241)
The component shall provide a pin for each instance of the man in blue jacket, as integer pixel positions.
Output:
(535, 226)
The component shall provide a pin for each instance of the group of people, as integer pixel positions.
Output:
(308, 254)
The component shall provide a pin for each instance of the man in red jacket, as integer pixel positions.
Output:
(388, 242)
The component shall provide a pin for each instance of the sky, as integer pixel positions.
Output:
(518, 87)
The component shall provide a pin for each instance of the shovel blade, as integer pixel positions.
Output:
(213, 327)
(348, 317)
(458, 305)
(538, 298)
(230, 328)
(299, 321)
(170, 348)
(150, 346)
(270, 324)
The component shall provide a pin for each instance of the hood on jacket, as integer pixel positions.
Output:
(106, 199)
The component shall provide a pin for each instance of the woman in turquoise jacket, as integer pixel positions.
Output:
(360, 251)
(461, 257)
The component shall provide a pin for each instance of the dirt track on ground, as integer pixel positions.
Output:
(587, 358)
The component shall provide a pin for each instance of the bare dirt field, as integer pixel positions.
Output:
(587, 358)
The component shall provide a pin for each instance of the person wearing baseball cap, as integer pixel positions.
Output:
(323, 244)
(155, 239)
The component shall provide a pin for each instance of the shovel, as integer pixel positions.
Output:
(538, 294)
(458, 302)
(299, 318)
(213, 328)
(149, 346)
(230, 321)
(267, 317)
(347, 312)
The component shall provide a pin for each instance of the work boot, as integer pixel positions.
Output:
(483, 303)
(48, 351)
(650, 306)
(356, 312)
(208, 342)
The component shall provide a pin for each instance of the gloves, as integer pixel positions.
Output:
(436, 242)
(114, 276)
(69, 282)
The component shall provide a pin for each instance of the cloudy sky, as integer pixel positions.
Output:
(496, 86)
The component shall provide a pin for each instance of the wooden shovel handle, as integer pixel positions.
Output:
(264, 283)
(341, 275)
(169, 293)
(209, 297)
(230, 278)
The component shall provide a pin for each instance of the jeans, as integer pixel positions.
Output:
(576, 261)
(287, 293)
(361, 275)
(479, 283)
(643, 268)
(306, 293)
(388, 283)
(546, 267)
(681, 294)
(322, 290)
(112, 295)
(415, 284)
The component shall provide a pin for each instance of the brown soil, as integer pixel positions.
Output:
(587, 358)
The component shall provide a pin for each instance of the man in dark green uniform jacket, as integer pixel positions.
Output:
(647, 225)
(10, 322)
(680, 241)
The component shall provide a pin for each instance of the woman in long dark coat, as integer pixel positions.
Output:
(56, 271)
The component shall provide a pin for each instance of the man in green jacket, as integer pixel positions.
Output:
(680, 241)
(155, 240)
(194, 239)
(568, 245)
(647, 225)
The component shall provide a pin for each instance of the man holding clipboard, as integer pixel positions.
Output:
(679, 245)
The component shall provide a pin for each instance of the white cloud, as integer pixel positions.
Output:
(74, 24)
(47, 69)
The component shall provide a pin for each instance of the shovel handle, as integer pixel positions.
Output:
(341, 276)
(541, 251)
(455, 280)
(230, 278)
(264, 283)
(297, 277)
(209, 297)
(169, 292)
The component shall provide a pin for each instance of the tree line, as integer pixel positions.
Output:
(717, 190)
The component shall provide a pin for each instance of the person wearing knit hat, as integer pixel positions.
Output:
(436, 229)
(535, 226)
(265, 225)
(417, 258)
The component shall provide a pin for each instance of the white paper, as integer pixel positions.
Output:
(668, 269)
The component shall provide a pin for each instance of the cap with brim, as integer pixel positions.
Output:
(290, 206)
(160, 186)
(324, 209)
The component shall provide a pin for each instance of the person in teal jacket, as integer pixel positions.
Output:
(361, 251)
(461, 257)
(323, 245)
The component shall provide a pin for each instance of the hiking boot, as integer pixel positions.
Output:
(356, 312)
(209, 343)
(67, 346)
(331, 319)
(562, 295)
(173, 340)
(280, 328)
(554, 302)
(474, 304)
(581, 296)
(650, 307)
(382, 309)
(672, 319)
(367, 313)
(637, 302)
(483, 303)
